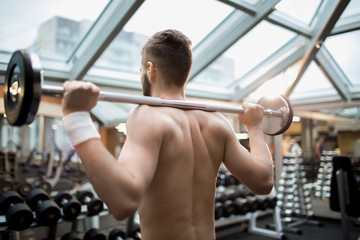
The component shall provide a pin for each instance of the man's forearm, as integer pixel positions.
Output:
(112, 182)
(258, 147)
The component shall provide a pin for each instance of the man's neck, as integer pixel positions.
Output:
(174, 93)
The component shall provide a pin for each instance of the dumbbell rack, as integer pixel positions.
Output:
(277, 233)
(294, 198)
(323, 180)
(227, 191)
(81, 224)
(85, 221)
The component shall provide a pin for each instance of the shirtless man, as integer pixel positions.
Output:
(168, 166)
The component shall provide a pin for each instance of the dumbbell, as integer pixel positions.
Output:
(71, 208)
(286, 183)
(241, 206)
(70, 236)
(44, 185)
(244, 193)
(94, 205)
(229, 208)
(287, 190)
(18, 215)
(221, 198)
(253, 203)
(262, 202)
(219, 210)
(117, 234)
(47, 212)
(135, 232)
(6, 186)
(220, 180)
(24, 188)
(94, 234)
(230, 180)
(272, 200)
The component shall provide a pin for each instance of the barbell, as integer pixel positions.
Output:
(24, 87)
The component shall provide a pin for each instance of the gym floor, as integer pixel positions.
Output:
(330, 230)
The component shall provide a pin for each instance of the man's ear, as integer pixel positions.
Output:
(150, 71)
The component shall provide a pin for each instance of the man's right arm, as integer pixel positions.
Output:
(254, 168)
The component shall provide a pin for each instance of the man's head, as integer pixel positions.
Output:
(169, 52)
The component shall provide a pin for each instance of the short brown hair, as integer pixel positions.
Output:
(170, 52)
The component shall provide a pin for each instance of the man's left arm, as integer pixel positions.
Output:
(120, 184)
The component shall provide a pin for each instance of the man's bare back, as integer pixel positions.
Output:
(168, 166)
(179, 203)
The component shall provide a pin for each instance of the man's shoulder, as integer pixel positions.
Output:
(147, 112)
(150, 116)
(145, 120)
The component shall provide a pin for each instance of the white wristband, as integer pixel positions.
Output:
(80, 127)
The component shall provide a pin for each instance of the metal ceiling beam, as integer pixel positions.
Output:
(320, 105)
(275, 64)
(328, 16)
(236, 25)
(290, 46)
(241, 5)
(334, 73)
(283, 20)
(347, 24)
(104, 30)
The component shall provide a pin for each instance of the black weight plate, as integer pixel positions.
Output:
(252, 203)
(95, 206)
(22, 89)
(241, 206)
(62, 198)
(6, 186)
(35, 196)
(70, 236)
(8, 198)
(19, 217)
(71, 210)
(219, 210)
(272, 201)
(263, 204)
(94, 234)
(117, 233)
(44, 185)
(47, 213)
(84, 196)
(24, 188)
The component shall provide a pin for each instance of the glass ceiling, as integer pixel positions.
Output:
(303, 10)
(31, 25)
(339, 47)
(307, 50)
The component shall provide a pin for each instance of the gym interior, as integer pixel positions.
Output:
(307, 51)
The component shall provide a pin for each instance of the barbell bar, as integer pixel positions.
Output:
(24, 87)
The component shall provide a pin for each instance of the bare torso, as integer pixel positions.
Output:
(179, 203)
(168, 165)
